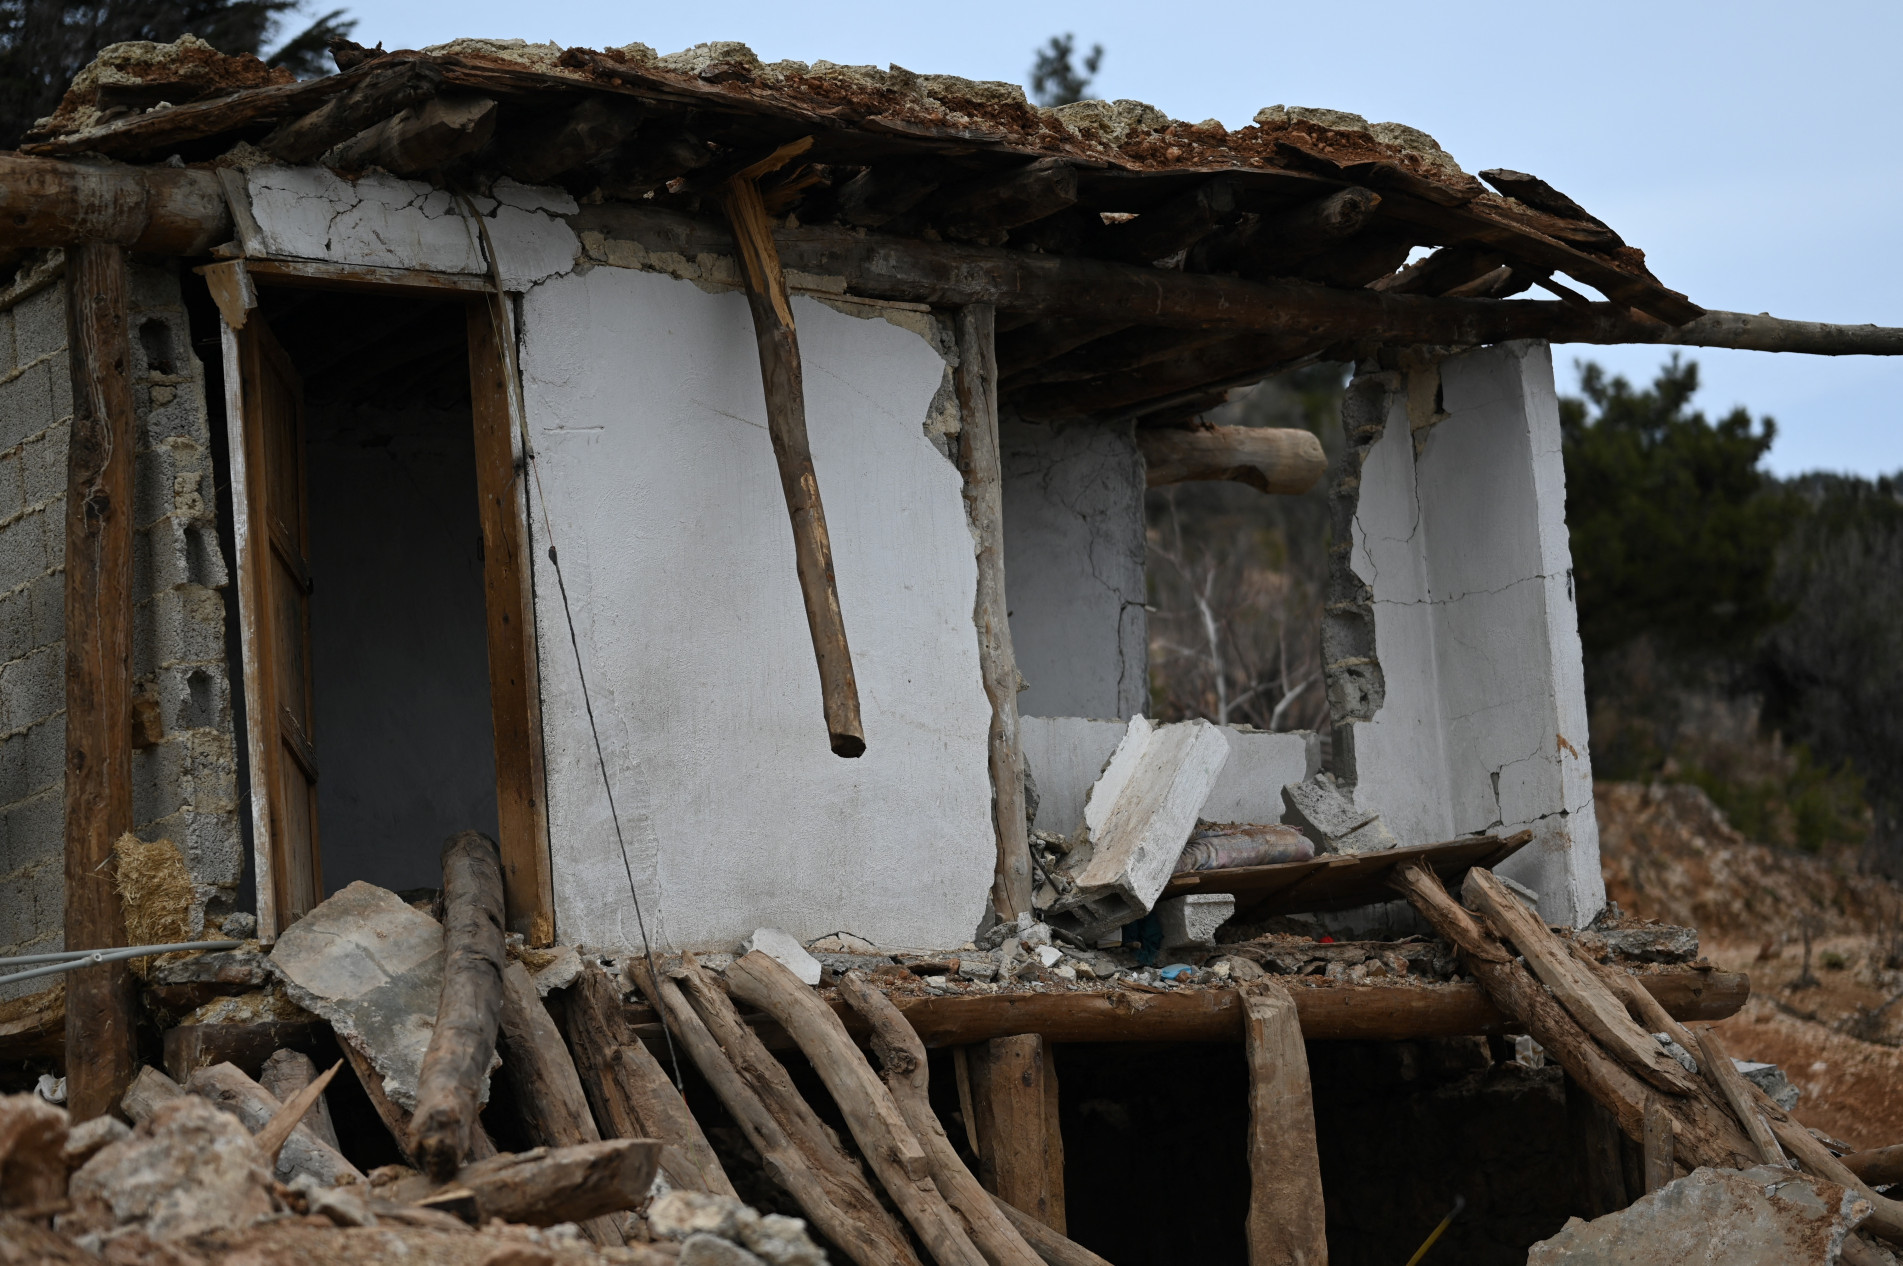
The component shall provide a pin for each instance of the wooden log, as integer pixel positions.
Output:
(1176, 225)
(277, 1130)
(786, 423)
(869, 1239)
(1054, 1249)
(1336, 1012)
(986, 208)
(1879, 1166)
(162, 210)
(423, 138)
(1578, 990)
(149, 1090)
(248, 1046)
(629, 1091)
(542, 148)
(1268, 459)
(463, 1043)
(1706, 1134)
(902, 1060)
(1279, 242)
(394, 1116)
(286, 1074)
(888, 1144)
(1035, 343)
(1287, 1222)
(1717, 1066)
(976, 382)
(551, 1185)
(382, 93)
(101, 1002)
(303, 1152)
(890, 189)
(1656, 1144)
(1020, 1146)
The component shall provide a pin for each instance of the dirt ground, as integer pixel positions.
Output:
(1669, 854)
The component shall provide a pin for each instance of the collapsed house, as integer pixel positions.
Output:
(386, 460)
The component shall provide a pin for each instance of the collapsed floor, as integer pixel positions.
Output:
(1102, 1094)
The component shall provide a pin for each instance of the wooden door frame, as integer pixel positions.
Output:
(508, 596)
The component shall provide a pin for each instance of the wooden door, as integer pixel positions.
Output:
(275, 610)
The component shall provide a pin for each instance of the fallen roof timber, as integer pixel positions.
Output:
(1333, 1012)
(48, 202)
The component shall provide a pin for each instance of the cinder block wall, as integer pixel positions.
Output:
(184, 767)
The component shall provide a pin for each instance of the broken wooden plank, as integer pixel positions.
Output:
(1268, 459)
(976, 382)
(871, 1240)
(1342, 882)
(902, 1061)
(1593, 1005)
(422, 138)
(550, 1185)
(890, 1147)
(1706, 1134)
(303, 1152)
(1717, 1065)
(285, 1074)
(277, 1130)
(463, 1042)
(101, 1001)
(1287, 1222)
(781, 377)
(628, 1089)
(1020, 1147)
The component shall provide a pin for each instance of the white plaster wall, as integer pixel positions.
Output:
(645, 403)
(1067, 755)
(1465, 550)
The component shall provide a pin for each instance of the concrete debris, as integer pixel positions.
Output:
(1756, 1217)
(1659, 943)
(1192, 920)
(89, 1138)
(710, 1250)
(842, 943)
(1677, 1052)
(1527, 897)
(239, 925)
(1771, 1080)
(690, 1216)
(187, 1170)
(1048, 955)
(1137, 820)
(782, 948)
(344, 1206)
(1226, 845)
(186, 981)
(1240, 970)
(1328, 816)
(552, 969)
(33, 1136)
(373, 967)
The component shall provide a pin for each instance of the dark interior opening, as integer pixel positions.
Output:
(399, 651)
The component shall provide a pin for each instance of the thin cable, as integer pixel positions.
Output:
(505, 337)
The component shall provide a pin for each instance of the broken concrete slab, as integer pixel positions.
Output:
(1756, 1217)
(1139, 816)
(187, 1170)
(1771, 1080)
(785, 949)
(89, 1138)
(373, 967)
(1658, 943)
(1328, 816)
(1192, 920)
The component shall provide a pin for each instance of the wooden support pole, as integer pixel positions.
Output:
(101, 1006)
(463, 1043)
(786, 423)
(1020, 1144)
(1287, 1222)
(976, 382)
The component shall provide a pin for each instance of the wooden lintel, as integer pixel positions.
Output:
(101, 1003)
(365, 278)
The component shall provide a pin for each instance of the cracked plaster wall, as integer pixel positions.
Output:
(1074, 552)
(184, 769)
(1454, 669)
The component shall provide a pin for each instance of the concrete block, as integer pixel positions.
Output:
(158, 779)
(1327, 814)
(153, 476)
(43, 464)
(12, 486)
(27, 404)
(23, 551)
(32, 902)
(48, 593)
(39, 324)
(1139, 816)
(1193, 919)
(8, 360)
(373, 967)
(61, 380)
(1771, 1080)
(45, 765)
(35, 829)
(785, 949)
(1763, 1216)
(32, 688)
(16, 624)
(13, 781)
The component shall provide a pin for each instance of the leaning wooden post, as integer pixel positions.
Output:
(976, 381)
(786, 424)
(101, 1056)
(1287, 1222)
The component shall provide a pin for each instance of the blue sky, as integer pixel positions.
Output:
(1749, 148)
